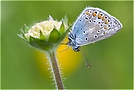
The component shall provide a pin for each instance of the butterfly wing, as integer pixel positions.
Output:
(94, 25)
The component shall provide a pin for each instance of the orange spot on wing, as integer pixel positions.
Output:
(103, 18)
(106, 22)
(105, 27)
(104, 32)
(87, 13)
(94, 14)
(99, 16)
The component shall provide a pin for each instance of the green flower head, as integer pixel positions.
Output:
(46, 35)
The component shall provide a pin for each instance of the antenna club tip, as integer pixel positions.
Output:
(88, 66)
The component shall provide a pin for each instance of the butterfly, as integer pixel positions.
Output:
(92, 25)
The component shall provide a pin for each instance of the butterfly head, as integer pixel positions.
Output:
(72, 42)
(76, 48)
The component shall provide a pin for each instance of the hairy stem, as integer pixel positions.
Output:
(56, 71)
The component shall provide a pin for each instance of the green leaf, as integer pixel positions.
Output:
(54, 36)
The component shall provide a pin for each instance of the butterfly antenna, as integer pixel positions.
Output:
(86, 60)
(64, 49)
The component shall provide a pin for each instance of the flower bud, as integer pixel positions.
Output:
(46, 35)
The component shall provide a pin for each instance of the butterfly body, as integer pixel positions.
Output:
(92, 25)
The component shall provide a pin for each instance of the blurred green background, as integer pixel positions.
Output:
(111, 59)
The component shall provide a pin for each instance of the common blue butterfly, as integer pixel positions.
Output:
(92, 25)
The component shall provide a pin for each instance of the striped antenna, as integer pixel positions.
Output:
(86, 60)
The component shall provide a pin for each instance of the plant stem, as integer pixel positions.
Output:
(56, 71)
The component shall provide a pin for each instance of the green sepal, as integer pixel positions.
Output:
(22, 35)
(26, 28)
(23, 32)
(42, 37)
(62, 29)
(65, 21)
(54, 36)
(64, 25)
(64, 35)
(40, 44)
